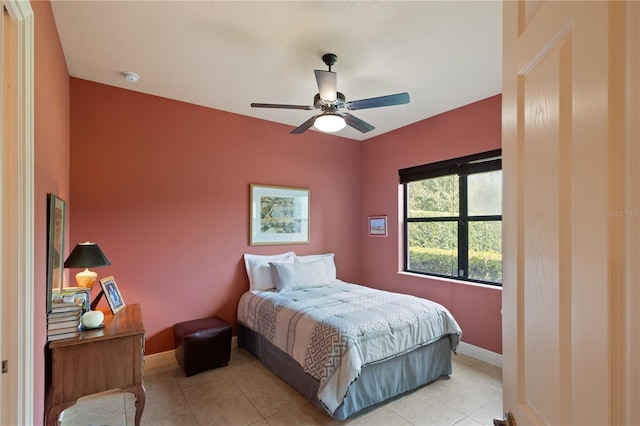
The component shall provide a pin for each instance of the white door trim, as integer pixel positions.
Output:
(17, 223)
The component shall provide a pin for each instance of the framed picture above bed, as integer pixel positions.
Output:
(377, 226)
(278, 215)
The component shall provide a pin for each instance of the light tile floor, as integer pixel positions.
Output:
(246, 393)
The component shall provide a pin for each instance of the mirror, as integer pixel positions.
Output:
(55, 246)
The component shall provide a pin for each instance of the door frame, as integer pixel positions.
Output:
(17, 227)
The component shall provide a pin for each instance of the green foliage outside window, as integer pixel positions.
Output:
(483, 265)
(437, 197)
(433, 245)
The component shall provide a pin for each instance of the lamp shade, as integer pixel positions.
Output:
(86, 255)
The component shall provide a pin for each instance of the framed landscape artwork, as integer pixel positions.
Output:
(278, 215)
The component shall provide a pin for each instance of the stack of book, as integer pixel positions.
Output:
(74, 294)
(67, 307)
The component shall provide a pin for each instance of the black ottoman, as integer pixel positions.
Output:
(202, 344)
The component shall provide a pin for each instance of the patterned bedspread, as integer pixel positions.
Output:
(336, 330)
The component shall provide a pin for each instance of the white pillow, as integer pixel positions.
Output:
(258, 269)
(294, 276)
(327, 259)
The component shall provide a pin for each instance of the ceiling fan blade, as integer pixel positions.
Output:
(327, 85)
(282, 106)
(304, 126)
(397, 99)
(356, 123)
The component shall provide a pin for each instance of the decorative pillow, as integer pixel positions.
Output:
(327, 259)
(294, 276)
(258, 269)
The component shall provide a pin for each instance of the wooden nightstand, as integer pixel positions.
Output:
(111, 357)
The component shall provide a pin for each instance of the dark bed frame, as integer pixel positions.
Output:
(377, 382)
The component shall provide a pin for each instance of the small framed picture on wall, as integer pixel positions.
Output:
(377, 226)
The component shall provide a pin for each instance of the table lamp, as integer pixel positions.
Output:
(86, 255)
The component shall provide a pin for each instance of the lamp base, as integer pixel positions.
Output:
(86, 278)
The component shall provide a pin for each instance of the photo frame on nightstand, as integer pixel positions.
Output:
(111, 292)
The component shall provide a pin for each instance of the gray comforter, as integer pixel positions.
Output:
(333, 331)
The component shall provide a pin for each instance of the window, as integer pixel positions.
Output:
(453, 218)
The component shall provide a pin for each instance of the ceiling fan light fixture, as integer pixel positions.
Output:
(329, 123)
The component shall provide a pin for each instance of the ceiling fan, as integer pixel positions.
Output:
(330, 101)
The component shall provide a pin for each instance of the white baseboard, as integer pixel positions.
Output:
(160, 359)
(165, 358)
(481, 354)
(169, 357)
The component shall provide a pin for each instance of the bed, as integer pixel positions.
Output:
(343, 346)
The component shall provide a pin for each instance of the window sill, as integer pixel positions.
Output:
(449, 280)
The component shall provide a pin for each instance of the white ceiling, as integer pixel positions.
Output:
(227, 54)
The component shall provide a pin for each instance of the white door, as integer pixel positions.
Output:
(571, 225)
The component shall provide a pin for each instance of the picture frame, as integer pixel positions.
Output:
(378, 226)
(56, 212)
(111, 292)
(278, 215)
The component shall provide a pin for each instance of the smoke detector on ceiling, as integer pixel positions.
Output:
(131, 77)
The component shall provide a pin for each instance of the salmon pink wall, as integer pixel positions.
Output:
(471, 129)
(51, 162)
(163, 187)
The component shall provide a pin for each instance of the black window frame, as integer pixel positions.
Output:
(463, 167)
